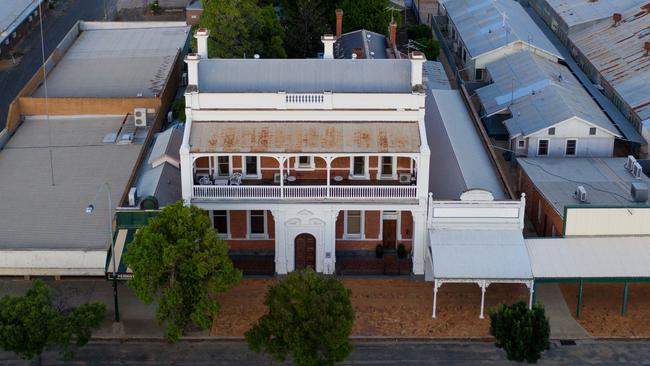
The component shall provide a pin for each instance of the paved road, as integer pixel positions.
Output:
(56, 25)
(387, 353)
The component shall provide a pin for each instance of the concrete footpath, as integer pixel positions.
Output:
(563, 325)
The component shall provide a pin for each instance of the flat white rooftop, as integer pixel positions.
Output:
(35, 214)
(115, 59)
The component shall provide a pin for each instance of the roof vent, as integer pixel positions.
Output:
(637, 170)
(629, 163)
(639, 192)
(646, 47)
(617, 17)
(580, 194)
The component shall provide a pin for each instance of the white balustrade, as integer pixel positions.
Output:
(305, 192)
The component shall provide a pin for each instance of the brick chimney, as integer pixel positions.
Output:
(201, 36)
(646, 47)
(617, 17)
(192, 60)
(339, 22)
(328, 46)
(417, 60)
(392, 34)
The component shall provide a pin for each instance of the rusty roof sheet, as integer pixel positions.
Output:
(305, 137)
(618, 54)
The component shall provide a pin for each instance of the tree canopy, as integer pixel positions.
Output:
(30, 324)
(305, 21)
(309, 318)
(522, 333)
(242, 28)
(372, 15)
(180, 262)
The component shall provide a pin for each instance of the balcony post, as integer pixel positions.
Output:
(281, 160)
(328, 163)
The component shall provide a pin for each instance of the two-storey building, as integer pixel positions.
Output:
(308, 160)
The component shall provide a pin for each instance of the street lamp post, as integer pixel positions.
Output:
(89, 210)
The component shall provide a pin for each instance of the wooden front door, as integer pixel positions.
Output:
(390, 234)
(305, 252)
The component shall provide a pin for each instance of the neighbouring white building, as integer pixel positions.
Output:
(311, 160)
(482, 31)
(545, 109)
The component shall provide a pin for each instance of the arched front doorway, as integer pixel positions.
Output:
(305, 252)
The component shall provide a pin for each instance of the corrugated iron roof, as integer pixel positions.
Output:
(539, 93)
(305, 76)
(618, 54)
(575, 12)
(305, 137)
(486, 25)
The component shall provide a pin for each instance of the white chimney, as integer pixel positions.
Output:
(192, 60)
(417, 60)
(328, 43)
(201, 36)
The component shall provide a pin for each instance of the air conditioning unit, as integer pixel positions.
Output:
(405, 178)
(637, 170)
(140, 117)
(629, 163)
(581, 194)
(133, 196)
(639, 192)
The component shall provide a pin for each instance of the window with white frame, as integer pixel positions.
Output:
(386, 168)
(257, 224)
(305, 162)
(358, 167)
(570, 149)
(220, 222)
(353, 224)
(542, 147)
(223, 166)
(252, 167)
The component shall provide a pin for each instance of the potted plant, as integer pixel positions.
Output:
(154, 7)
(379, 250)
(401, 251)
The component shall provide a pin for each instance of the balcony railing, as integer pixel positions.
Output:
(305, 192)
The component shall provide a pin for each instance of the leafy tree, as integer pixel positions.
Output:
(305, 21)
(367, 14)
(178, 108)
(180, 262)
(241, 28)
(522, 333)
(30, 324)
(309, 318)
(424, 40)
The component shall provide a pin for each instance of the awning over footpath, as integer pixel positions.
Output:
(122, 238)
(479, 256)
(590, 257)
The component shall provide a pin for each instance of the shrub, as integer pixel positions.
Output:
(401, 251)
(523, 333)
(379, 250)
(309, 318)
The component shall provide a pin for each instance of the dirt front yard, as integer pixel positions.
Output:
(383, 307)
(601, 308)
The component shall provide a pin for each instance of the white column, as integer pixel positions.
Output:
(328, 162)
(187, 165)
(531, 288)
(328, 46)
(419, 240)
(329, 237)
(483, 285)
(201, 36)
(435, 298)
(281, 162)
(192, 61)
(281, 265)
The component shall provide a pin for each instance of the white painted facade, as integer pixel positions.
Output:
(590, 140)
(308, 209)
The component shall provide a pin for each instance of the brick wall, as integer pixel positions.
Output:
(548, 217)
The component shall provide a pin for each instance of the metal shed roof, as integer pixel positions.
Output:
(539, 93)
(373, 44)
(486, 25)
(590, 257)
(304, 76)
(307, 137)
(619, 56)
(479, 254)
(14, 12)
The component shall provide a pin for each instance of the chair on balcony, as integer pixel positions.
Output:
(235, 179)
